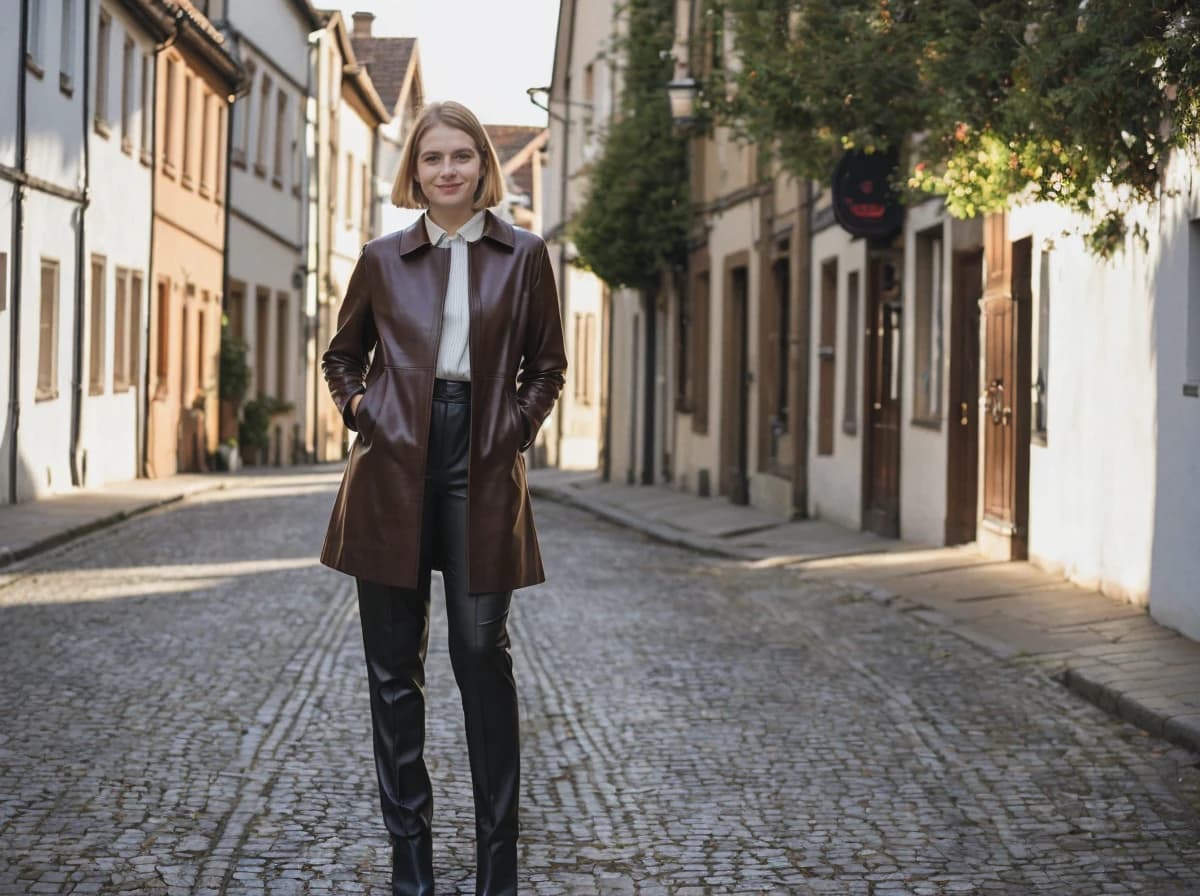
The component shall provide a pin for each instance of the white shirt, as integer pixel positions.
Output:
(454, 355)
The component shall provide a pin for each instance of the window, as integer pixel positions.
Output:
(781, 275)
(366, 202)
(127, 96)
(121, 332)
(1041, 350)
(826, 357)
(147, 116)
(187, 386)
(1193, 310)
(206, 135)
(162, 361)
(242, 120)
(850, 395)
(280, 125)
(282, 355)
(3, 281)
(348, 209)
(33, 38)
(588, 111)
(584, 333)
(187, 131)
(700, 316)
(201, 347)
(47, 381)
(168, 130)
(264, 104)
(298, 147)
(262, 325)
(126, 329)
(927, 400)
(96, 328)
(683, 351)
(103, 33)
(220, 121)
(333, 182)
(66, 55)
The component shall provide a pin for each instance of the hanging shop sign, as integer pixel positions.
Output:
(863, 201)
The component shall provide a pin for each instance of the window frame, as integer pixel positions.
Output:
(48, 336)
(929, 336)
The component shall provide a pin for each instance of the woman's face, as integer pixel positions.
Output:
(448, 170)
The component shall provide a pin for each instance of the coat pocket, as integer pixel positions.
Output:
(365, 416)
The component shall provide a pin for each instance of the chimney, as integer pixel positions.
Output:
(362, 23)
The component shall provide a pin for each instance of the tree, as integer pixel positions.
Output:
(635, 218)
(983, 100)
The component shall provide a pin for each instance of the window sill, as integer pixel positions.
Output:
(95, 390)
(205, 191)
(186, 181)
(683, 405)
(277, 183)
(45, 395)
(1191, 390)
(102, 127)
(65, 85)
(34, 69)
(127, 147)
(850, 428)
(1038, 438)
(146, 158)
(260, 170)
(238, 162)
(169, 170)
(933, 424)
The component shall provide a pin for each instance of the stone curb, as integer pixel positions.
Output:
(9, 556)
(1182, 730)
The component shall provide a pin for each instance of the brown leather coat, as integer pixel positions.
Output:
(393, 305)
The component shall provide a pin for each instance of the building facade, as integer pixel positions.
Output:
(598, 323)
(267, 211)
(349, 113)
(197, 81)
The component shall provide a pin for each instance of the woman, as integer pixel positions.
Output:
(461, 312)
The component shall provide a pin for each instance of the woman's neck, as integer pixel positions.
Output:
(450, 220)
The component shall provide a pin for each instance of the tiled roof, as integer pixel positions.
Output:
(510, 140)
(198, 18)
(387, 60)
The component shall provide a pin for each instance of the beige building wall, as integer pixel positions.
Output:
(187, 263)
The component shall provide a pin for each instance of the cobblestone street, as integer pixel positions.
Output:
(185, 711)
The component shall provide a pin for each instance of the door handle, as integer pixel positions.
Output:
(963, 421)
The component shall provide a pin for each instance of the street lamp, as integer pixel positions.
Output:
(681, 94)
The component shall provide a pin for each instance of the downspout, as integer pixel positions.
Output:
(649, 377)
(151, 286)
(564, 288)
(78, 459)
(312, 227)
(14, 378)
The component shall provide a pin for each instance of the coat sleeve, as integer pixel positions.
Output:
(346, 360)
(544, 362)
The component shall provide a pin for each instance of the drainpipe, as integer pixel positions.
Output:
(78, 457)
(649, 381)
(312, 227)
(14, 377)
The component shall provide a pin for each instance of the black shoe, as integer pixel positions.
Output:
(412, 866)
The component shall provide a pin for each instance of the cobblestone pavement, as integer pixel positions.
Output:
(184, 710)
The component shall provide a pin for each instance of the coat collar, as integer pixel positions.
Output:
(415, 237)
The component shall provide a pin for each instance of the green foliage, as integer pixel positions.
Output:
(985, 100)
(235, 371)
(635, 219)
(254, 428)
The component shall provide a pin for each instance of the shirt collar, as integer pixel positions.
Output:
(471, 231)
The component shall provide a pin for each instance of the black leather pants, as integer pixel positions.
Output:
(395, 624)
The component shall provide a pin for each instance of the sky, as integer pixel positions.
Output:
(483, 53)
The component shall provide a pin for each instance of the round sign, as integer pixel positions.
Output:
(863, 201)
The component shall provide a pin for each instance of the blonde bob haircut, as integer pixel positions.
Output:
(407, 193)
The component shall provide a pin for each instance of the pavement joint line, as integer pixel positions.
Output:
(1112, 700)
(289, 700)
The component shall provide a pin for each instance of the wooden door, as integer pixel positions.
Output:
(962, 467)
(735, 439)
(1006, 401)
(882, 371)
